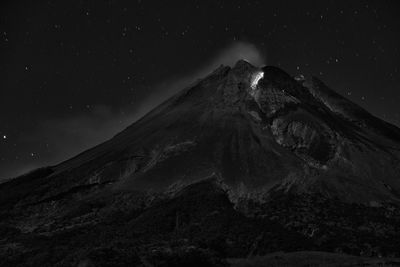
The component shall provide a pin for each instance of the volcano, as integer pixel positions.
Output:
(246, 161)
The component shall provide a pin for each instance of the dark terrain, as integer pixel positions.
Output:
(238, 168)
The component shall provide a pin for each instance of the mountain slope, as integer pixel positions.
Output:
(219, 155)
(277, 134)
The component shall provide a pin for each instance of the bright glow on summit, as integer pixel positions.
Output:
(255, 80)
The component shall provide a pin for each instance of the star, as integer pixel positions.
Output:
(4, 137)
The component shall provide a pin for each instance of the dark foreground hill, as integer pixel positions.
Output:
(243, 163)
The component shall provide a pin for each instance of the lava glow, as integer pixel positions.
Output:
(258, 76)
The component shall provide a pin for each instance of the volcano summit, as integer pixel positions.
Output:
(247, 161)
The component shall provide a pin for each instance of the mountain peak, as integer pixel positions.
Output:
(257, 128)
(243, 68)
(242, 63)
(239, 146)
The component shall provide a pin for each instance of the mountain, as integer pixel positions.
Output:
(244, 162)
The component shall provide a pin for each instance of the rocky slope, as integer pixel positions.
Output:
(245, 162)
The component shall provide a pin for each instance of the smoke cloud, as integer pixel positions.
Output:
(236, 51)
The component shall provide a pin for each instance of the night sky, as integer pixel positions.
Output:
(74, 73)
